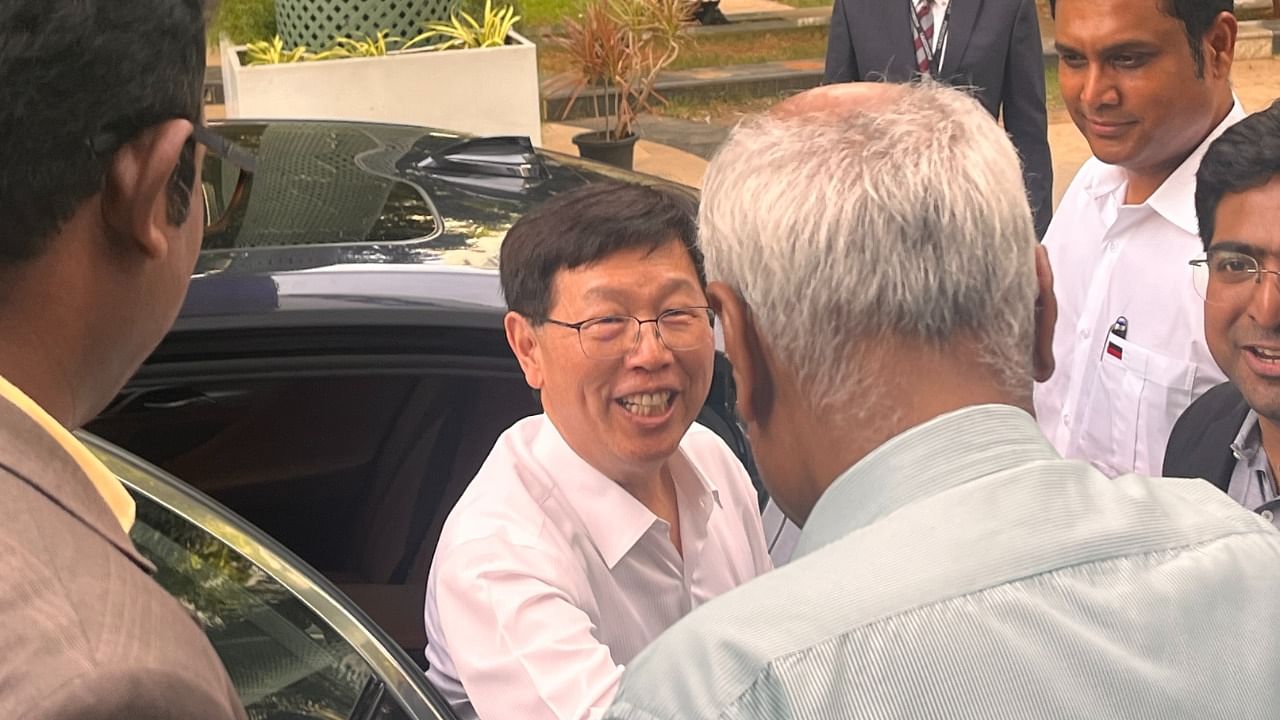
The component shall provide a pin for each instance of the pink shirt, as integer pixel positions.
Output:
(549, 576)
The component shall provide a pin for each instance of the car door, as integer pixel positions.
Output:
(294, 647)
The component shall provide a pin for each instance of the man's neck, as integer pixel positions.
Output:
(917, 382)
(27, 363)
(658, 494)
(1144, 182)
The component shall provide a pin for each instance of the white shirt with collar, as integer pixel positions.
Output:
(1113, 400)
(549, 576)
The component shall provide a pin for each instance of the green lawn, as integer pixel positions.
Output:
(720, 50)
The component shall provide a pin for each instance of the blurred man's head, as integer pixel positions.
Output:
(874, 263)
(1238, 205)
(99, 220)
(1145, 81)
(577, 274)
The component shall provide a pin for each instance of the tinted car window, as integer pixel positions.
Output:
(353, 470)
(283, 659)
(315, 184)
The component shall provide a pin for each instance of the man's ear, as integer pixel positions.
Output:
(523, 340)
(751, 373)
(135, 198)
(1042, 363)
(1219, 46)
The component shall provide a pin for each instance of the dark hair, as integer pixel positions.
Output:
(1244, 157)
(586, 225)
(72, 70)
(1196, 16)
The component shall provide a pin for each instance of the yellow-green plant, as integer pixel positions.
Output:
(464, 31)
(369, 46)
(273, 52)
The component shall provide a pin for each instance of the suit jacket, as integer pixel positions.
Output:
(1200, 444)
(993, 46)
(85, 632)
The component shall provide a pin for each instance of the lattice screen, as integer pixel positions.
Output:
(315, 23)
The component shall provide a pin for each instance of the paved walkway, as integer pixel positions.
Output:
(740, 7)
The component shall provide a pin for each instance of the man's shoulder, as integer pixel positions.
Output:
(1218, 402)
(80, 607)
(1200, 442)
(136, 691)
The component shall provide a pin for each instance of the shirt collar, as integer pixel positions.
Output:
(1248, 441)
(104, 481)
(614, 520)
(945, 452)
(1174, 200)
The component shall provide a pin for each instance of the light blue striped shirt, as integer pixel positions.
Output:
(965, 570)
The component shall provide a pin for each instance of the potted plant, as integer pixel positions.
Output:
(618, 48)
(474, 75)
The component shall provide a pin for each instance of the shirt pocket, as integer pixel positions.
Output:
(1135, 401)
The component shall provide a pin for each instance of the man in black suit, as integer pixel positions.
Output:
(993, 46)
(1232, 433)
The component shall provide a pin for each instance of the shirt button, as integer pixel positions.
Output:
(1268, 516)
(1066, 420)
(1084, 334)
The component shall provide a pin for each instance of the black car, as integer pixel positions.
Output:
(336, 377)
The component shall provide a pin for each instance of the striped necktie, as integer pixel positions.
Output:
(924, 33)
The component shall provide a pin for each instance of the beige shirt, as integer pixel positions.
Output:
(105, 481)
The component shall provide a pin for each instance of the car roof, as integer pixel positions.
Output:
(359, 218)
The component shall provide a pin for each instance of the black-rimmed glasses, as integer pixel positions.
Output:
(223, 149)
(612, 336)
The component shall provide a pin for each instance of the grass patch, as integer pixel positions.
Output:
(1052, 94)
(545, 15)
(727, 107)
(244, 20)
(720, 50)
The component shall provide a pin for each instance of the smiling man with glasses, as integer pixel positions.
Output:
(592, 528)
(1231, 434)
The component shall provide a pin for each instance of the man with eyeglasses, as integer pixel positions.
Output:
(592, 528)
(1231, 433)
(100, 227)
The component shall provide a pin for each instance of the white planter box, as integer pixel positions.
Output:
(483, 91)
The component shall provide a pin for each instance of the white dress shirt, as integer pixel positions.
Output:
(549, 576)
(964, 571)
(1113, 400)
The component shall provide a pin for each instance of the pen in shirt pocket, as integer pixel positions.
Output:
(1120, 329)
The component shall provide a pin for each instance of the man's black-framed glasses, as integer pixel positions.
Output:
(613, 336)
(219, 148)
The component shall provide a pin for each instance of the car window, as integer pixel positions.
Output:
(355, 470)
(285, 661)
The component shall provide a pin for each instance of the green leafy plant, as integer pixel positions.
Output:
(621, 46)
(369, 46)
(273, 52)
(464, 31)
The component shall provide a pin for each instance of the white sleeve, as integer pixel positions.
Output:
(522, 647)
